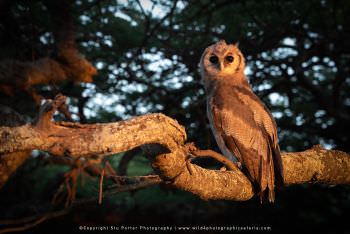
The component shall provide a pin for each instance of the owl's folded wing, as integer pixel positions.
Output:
(248, 141)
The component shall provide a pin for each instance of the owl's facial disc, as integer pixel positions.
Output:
(221, 63)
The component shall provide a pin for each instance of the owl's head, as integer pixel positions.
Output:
(221, 60)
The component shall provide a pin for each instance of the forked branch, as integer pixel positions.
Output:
(164, 140)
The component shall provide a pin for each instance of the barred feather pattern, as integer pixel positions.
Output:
(243, 126)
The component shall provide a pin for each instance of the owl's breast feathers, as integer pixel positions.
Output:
(247, 129)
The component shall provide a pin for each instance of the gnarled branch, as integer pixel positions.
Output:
(164, 140)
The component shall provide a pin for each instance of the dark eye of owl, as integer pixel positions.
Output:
(214, 59)
(229, 58)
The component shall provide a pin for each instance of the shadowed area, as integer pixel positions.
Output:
(118, 59)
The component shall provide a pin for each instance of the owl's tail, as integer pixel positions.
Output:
(271, 171)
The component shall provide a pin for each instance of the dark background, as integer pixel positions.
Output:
(147, 54)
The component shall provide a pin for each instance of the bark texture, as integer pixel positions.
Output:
(10, 162)
(317, 165)
(164, 140)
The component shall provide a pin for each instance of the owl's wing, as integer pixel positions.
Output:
(264, 119)
(242, 137)
(246, 130)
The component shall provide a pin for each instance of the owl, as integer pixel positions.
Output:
(244, 128)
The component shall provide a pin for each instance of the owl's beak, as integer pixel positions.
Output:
(222, 66)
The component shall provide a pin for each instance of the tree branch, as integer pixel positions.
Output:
(163, 139)
(10, 162)
(316, 165)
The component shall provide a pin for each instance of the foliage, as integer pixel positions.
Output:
(147, 55)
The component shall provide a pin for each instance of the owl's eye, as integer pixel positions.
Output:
(213, 59)
(229, 58)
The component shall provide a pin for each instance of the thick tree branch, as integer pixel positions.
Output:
(10, 162)
(163, 139)
(317, 165)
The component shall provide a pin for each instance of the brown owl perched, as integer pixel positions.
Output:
(244, 129)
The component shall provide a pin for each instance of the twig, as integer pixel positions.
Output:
(219, 157)
(135, 186)
(124, 179)
(153, 180)
(211, 154)
(101, 187)
(31, 221)
(28, 222)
